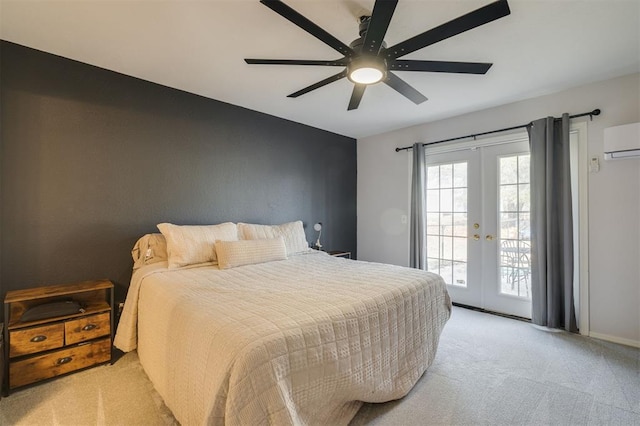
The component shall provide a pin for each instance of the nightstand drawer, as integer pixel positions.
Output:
(87, 328)
(36, 339)
(63, 361)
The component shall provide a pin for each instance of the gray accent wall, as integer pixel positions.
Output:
(92, 159)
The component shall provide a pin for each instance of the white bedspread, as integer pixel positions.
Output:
(301, 341)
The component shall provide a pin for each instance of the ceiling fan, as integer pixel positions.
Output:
(368, 60)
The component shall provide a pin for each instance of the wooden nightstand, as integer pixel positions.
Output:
(339, 253)
(45, 348)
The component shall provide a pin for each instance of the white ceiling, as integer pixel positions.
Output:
(199, 46)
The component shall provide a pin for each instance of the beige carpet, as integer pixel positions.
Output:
(489, 370)
(118, 394)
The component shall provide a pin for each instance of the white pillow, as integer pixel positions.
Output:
(293, 233)
(247, 252)
(150, 248)
(193, 244)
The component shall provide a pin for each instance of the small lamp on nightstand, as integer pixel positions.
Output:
(318, 227)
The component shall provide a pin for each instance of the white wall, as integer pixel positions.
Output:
(614, 194)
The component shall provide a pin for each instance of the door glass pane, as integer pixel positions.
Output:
(515, 245)
(433, 200)
(446, 271)
(446, 176)
(460, 274)
(460, 200)
(508, 225)
(433, 246)
(447, 248)
(433, 223)
(460, 225)
(433, 177)
(508, 198)
(459, 249)
(446, 200)
(523, 169)
(509, 170)
(460, 175)
(524, 231)
(433, 265)
(447, 222)
(524, 197)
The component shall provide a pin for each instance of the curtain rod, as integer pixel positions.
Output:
(590, 114)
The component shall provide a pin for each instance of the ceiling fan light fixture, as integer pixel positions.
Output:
(366, 70)
(366, 75)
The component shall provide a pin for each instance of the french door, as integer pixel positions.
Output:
(478, 233)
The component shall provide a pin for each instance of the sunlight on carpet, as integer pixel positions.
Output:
(118, 394)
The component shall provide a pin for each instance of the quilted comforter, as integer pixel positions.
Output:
(301, 341)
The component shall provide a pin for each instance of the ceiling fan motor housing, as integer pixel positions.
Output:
(356, 44)
(366, 60)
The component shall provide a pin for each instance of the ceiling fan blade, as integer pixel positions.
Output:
(471, 20)
(440, 66)
(404, 88)
(356, 96)
(290, 14)
(380, 18)
(338, 63)
(318, 84)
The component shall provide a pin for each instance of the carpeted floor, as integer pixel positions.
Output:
(492, 370)
(489, 371)
(118, 394)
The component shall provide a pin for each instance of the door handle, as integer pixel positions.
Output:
(476, 237)
(489, 237)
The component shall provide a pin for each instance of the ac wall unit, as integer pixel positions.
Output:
(622, 141)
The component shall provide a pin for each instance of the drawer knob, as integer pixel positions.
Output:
(88, 327)
(38, 338)
(65, 360)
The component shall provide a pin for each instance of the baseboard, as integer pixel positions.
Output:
(601, 336)
(473, 308)
(614, 339)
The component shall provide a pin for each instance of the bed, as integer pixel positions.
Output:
(302, 338)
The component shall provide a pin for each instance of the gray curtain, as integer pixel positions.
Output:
(551, 225)
(418, 249)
